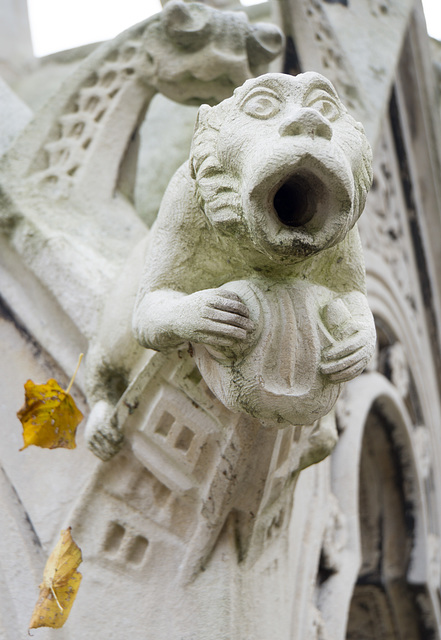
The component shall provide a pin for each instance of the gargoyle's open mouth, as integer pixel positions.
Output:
(296, 200)
(299, 208)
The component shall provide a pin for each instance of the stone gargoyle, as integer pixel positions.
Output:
(254, 258)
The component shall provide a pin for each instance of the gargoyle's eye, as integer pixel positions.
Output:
(327, 107)
(262, 105)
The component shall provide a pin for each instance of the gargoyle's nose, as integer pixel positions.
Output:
(306, 122)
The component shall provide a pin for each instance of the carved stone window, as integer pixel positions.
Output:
(137, 549)
(114, 536)
(119, 541)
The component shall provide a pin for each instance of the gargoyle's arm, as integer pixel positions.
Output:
(176, 302)
(350, 320)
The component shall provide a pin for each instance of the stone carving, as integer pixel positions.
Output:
(188, 533)
(254, 258)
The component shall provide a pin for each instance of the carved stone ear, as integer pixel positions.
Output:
(202, 116)
(264, 43)
(187, 24)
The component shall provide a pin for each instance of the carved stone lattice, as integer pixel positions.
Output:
(79, 125)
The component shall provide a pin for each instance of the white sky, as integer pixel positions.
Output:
(64, 24)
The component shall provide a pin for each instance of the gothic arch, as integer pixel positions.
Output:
(391, 310)
(386, 602)
(377, 431)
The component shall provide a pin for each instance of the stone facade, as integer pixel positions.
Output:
(201, 526)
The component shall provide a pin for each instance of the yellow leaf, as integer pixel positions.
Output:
(61, 581)
(49, 417)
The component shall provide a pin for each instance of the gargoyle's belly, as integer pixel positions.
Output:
(275, 375)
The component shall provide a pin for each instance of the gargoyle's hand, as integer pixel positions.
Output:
(347, 358)
(214, 317)
(103, 436)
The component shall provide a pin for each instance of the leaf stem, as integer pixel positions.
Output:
(55, 595)
(75, 373)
